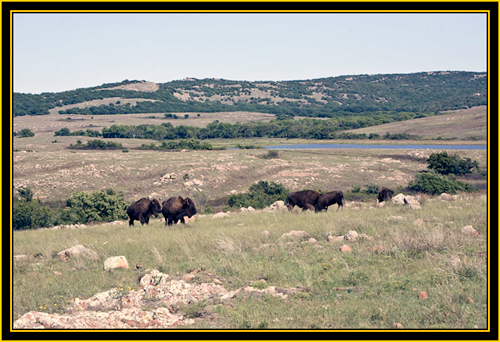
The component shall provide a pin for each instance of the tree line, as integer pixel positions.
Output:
(305, 128)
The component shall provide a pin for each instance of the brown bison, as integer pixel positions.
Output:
(384, 194)
(305, 199)
(142, 210)
(175, 208)
(330, 198)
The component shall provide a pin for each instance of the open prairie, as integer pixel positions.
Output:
(465, 124)
(378, 284)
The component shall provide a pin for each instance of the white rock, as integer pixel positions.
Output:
(115, 262)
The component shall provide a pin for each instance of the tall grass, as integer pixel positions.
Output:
(375, 286)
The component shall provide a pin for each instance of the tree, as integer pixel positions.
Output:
(25, 133)
(446, 164)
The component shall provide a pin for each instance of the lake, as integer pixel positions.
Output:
(410, 147)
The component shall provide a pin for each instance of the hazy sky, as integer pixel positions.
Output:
(57, 52)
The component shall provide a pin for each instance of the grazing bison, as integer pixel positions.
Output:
(384, 194)
(142, 210)
(305, 199)
(330, 198)
(175, 208)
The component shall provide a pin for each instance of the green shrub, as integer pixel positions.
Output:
(25, 133)
(96, 145)
(433, 183)
(372, 188)
(446, 164)
(259, 195)
(270, 155)
(98, 206)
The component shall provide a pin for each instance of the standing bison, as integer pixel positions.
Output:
(305, 199)
(384, 194)
(330, 198)
(142, 210)
(175, 208)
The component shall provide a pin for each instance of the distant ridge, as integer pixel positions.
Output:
(323, 97)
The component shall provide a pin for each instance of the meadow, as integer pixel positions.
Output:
(374, 286)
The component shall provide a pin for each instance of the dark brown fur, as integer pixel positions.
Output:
(305, 199)
(175, 208)
(142, 210)
(384, 194)
(330, 198)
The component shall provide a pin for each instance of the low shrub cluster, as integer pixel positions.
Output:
(434, 183)
(96, 145)
(451, 164)
(259, 195)
(190, 144)
(98, 206)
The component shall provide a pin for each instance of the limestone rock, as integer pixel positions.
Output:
(115, 262)
(77, 251)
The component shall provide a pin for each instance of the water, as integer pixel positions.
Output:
(411, 147)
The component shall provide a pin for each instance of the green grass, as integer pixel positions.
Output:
(374, 286)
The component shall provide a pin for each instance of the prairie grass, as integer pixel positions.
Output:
(373, 287)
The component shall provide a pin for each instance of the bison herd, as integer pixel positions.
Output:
(173, 209)
(176, 208)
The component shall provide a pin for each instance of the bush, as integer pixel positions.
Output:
(98, 206)
(446, 164)
(270, 155)
(433, 183)
(259, 195)
(29, 213)
(25, 133)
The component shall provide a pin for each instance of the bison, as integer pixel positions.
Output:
(175, 208)
(142, 210)
(305, 199)
(384, 194)
(328, 199)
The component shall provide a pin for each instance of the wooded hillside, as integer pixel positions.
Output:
(425, 92)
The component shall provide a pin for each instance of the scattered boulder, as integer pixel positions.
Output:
(220, 215)
(469, 230)
(278, 205)
(335, 238)
(151, 306)
(115, 262)
(412, 201)
(444, 197)
(397, 218)
(77, 251)
(345, 248)
(20, 257)
(295, 235)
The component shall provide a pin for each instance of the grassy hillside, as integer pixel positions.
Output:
(466, 124)
(376, 285)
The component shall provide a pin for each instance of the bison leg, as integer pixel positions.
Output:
(309, 206)
(131, 222)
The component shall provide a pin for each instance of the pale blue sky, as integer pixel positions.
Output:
(58, 52)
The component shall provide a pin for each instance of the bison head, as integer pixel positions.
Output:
(188, 207)
(155, 207)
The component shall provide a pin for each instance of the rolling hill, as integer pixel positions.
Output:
(354, 95)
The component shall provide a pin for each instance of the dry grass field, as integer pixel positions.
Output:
(466, 124)
(53, 172)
